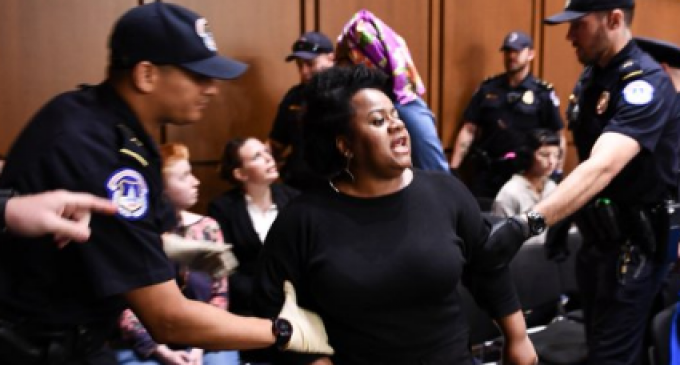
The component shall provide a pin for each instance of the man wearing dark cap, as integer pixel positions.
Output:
(59, 305)
(502, 111)
(312, 52)
(621, 192)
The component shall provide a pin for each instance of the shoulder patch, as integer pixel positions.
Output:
(638, 92)
(129, 191)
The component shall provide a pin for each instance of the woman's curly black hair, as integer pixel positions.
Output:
(535, 139)
(328, 112)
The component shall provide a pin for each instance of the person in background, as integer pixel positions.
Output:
(61, 305)
(536, 162)
(502, 111)
(312, 52)
(181, 189)
(367, 40)
(380, 252)
(245, 214)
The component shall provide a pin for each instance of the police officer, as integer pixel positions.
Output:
(312, 52)
(58, 306)
(502, 111)
(627, 140)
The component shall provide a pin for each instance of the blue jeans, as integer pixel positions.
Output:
(129, 357)
(426, 147)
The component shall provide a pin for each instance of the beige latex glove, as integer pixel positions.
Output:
(214, 258)
(309, 333)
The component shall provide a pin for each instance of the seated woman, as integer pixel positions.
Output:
(181, 188)
(532, 183)
(379, 253)
(245, 214)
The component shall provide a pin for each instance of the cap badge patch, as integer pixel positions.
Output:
(638, 92)
(528, 97)
(513, 37)
(602, 103)
(129, 191)
(206, 35)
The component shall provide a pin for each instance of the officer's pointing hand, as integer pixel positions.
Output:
(309, 333)
(62, 213)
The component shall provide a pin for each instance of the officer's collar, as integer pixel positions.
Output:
(524, 84)
(107, 93)
(610, 73)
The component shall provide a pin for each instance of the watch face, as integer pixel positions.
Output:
(283, 327)
(536, 222)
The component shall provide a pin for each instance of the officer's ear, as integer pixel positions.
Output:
(615, 19)
(144, 75)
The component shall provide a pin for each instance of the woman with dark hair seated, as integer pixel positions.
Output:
(532, 183)
(379, 253)
(245, 214)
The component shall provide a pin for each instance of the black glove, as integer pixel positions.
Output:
(505, 239)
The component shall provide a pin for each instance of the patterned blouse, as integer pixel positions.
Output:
(194, 285)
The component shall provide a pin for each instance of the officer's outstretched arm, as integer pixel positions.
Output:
(171, 318)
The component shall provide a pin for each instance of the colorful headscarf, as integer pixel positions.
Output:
(366, 39)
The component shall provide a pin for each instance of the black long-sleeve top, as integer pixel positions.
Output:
(382, 272)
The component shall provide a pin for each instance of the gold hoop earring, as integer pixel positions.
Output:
(348, 157)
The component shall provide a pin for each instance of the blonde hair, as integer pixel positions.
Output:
(173, 152)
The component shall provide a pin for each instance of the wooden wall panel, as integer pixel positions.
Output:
(47, 47)
(658, 19)
(472, 35)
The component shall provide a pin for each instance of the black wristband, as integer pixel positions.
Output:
(283, 331)
(3, 205)
(5, 195)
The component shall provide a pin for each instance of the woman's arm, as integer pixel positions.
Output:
(517, 348)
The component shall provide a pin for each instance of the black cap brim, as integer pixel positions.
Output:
(563, 17)
(303, 55)
(217, 67)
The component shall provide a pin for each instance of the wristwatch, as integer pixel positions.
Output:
(283, 331)
(536, 222)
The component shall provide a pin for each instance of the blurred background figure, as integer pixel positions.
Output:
(501, 112)
(245, 214)
(181, 189)
(312, 52)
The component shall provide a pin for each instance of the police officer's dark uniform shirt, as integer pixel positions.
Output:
(287, 130)
(506, 114)
(632, 96)
(86, 140)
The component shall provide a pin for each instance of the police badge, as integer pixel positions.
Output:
(602, 103)
(528, 97)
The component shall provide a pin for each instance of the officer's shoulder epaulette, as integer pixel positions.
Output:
(629, 69)
(543, 84)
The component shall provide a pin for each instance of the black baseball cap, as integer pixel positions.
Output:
(661, 51)
(575, 9)
(309, 46)
(517, 41)
(168, 34)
